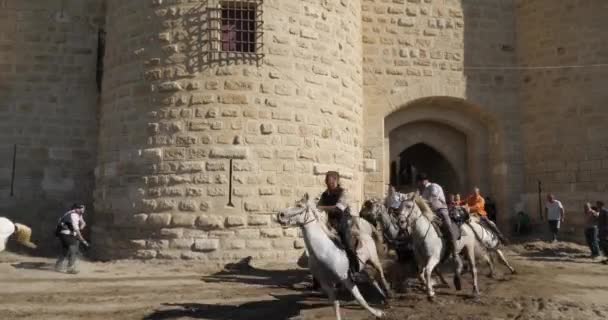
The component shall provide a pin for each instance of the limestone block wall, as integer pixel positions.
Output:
(171, 121)
(416, 49)
(564, 110)
(48, 105)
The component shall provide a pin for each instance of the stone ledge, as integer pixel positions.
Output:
(229, 153)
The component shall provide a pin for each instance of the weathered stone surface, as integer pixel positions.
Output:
(232, 152)
(159, 219)
(209, 222)
(172, 233)
(206, 245)
(183, 243)
(258, 220)
(183, 220)
(236, 221)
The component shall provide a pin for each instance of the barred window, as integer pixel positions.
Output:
(236, 28)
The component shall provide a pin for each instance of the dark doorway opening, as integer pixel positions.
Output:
(424, 158)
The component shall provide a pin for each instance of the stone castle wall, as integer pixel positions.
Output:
(414, 50)
(171, 120)
(564, 110)
(335, 80)
(48, 107)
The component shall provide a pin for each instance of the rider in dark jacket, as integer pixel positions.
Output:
(334, 202)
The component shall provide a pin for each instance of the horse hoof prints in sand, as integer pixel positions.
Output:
(327, 262)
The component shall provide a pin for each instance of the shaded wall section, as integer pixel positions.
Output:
(418, 49)
(48, 105)
(564, 110)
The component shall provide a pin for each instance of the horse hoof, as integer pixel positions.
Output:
(513, 271)
(457, 283)
(431, 298)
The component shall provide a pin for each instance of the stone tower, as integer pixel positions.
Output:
(201, 142)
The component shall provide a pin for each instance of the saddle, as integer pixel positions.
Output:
(458, 216)
(354, 232)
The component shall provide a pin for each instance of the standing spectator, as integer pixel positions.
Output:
(602, 224)
(490, 209)
(591, 231)
(522, 223)
(555, 214)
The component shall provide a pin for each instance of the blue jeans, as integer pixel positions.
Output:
(591, 234)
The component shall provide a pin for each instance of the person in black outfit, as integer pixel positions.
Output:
(334, 202)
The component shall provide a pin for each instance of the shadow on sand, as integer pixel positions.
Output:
(283, 306)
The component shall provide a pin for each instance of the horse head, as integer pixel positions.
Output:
(371, 210)
(408, 211)
(301, 213)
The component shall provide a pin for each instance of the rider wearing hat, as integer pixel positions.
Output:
(433, 194)
(334, 202)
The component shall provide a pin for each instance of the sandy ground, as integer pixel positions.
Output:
(553, 282)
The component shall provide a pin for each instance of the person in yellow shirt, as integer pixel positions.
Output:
(476, 204)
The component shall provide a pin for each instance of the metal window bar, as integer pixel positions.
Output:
(235, 29)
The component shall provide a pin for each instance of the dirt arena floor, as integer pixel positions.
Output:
(554, 281)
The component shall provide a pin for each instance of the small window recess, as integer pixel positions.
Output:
(235, 30)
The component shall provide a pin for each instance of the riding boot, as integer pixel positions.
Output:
(495, 229)
(452, 245)
(345, 237)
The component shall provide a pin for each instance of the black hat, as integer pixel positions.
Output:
(77, 206)
(422, 176)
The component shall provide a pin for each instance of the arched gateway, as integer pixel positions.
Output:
(451, 139)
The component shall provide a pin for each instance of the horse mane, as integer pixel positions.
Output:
(424, 207)
(321, 216)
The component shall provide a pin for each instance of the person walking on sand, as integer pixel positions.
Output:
(555, 215)
(591, 230)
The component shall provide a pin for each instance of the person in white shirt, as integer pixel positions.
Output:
(68, 230)
(21, 233)
(555, 215)
(433, 194)
(393, 199)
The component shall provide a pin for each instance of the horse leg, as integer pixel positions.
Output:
(458, 272)
(350, 286)
(331, 295)
(374, 260)
(471, 258)
(428, 272)
(502, 258)
(488, 260)
(441, 278)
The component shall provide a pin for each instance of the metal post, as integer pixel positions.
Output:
(230, 186)
(540, 204)
(13, 171)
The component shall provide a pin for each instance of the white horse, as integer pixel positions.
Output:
(416, 219)
(488, 243)
(374, 210)
(328, 263)
(22, 233)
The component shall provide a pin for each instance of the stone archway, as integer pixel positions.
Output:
(461, 135)
(431, 147)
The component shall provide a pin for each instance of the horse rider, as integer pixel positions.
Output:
(433, 194)
(21, 233)
(334, 202)
(476, 204)
(68, 230)
(393, 200)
